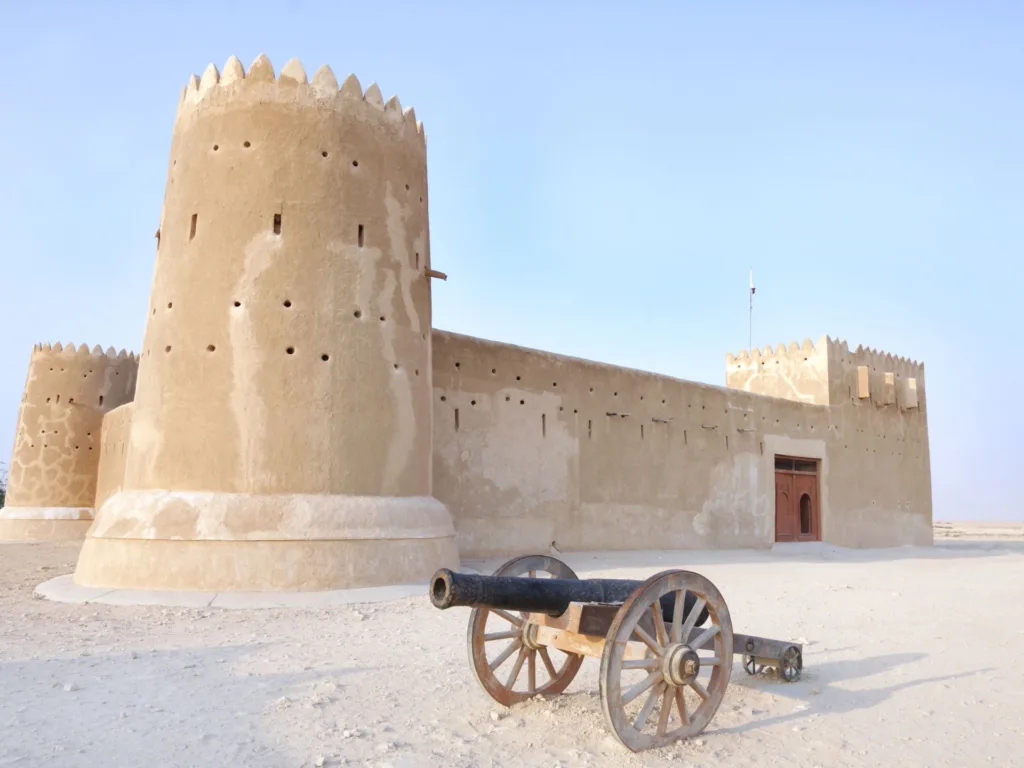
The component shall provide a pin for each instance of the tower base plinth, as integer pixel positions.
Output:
(44, 523)
(198, 541)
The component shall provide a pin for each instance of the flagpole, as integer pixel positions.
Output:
(750, 313)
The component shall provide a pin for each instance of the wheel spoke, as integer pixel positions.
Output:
(515, 620)
(700, 689)
(703, 637)
(681, 706)
(531, 666)
(691, 620)
(677, 616)
(665, 709)
(645, 710)
(710, 661)
(649, 663)
(505, 654)
(547, 663)
(511, 682)
(641, 633)
(643, 685)
(659, 623)
(501, 635)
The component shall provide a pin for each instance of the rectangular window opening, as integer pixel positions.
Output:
(360, 235)
(192, 229)
(277, 223)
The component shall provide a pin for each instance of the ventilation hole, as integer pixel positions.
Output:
(246, 144)
(458, 365)
(324, 153)
(494, 370)
(522, 402)
(615, 394)
(167, 348)
(216, 147)
(287, 302)
(238, 303)
(211, 348)
(71, 401)
(76, 447)
(192, 229)
(443, 398)
(290, 350)
(357, 314)
(277, 223)
(456, 419)
(101, 403)
(325, 358)
(396, 368)
(574, 410)
(406, 187)
(508, 399)
(591, 389)
(421, 199)
(417, 371)
(543, 425)
(360, 235)
(662, 402)
(555, 384)
(561, 408)
(47, 399)
(518, 378)
(355, 163)
(382, 318)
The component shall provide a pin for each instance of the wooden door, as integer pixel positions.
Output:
(785, 528)
(797, 514)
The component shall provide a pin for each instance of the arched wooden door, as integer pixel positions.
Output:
(797, 513)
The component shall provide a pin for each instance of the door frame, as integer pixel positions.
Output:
(816, 509)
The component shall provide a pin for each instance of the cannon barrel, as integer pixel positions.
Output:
(449, 589)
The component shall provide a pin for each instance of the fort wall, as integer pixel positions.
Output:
(281, 431)
(533, 448)
(52, 482)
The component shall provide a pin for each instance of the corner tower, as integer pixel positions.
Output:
(57, 440)
(281, 436)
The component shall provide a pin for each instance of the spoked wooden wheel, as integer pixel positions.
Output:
(548, 671)
(675, 689)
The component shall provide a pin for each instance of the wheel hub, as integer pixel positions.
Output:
(530, 636)
(681, 664)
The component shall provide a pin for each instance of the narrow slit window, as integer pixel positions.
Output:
(277, 223)
(590, 429)
(456, 419)
(641, 431)
(684, 437)
(101, 399)
(360, 235)
(543, 425)
(192, 228)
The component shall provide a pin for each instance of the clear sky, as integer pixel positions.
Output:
(602, 176)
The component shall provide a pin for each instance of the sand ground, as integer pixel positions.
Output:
(913, 658)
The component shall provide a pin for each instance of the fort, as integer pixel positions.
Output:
(293, 421)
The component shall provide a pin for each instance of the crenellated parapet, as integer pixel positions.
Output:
(797, 371)
(52, 481)
(870, 375)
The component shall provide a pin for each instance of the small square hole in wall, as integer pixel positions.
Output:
(277, 223)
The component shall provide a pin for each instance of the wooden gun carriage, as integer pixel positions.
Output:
(666, 644)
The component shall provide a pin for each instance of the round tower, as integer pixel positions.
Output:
(281, 436)
(52, 481)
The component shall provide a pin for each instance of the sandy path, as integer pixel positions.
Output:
(913, 659)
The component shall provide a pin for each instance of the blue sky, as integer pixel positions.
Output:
(602, 175)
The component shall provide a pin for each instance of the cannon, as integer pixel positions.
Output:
(666, 644)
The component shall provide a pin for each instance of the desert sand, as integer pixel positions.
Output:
(912, 658)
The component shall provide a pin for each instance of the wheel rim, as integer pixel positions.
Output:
(508, 639)
(667, 695)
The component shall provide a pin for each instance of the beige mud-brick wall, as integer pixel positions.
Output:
(882, 477)
(797, 372)
(114, 436)
(533, 448)
(52, 484)
(281, 433)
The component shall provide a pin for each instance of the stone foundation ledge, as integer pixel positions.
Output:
(227, 542)
(64, 590)
(44, 523)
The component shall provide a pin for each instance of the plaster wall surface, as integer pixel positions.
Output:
(533, 448)
(797, 372)
(114, 434)
(285, 373)
(52, 483)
